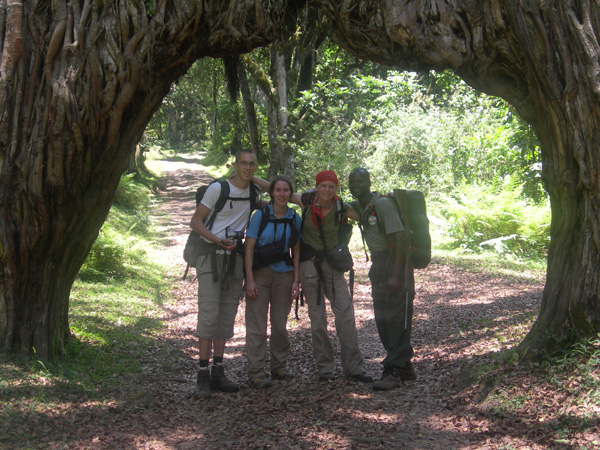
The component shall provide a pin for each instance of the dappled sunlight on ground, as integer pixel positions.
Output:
(461, 320)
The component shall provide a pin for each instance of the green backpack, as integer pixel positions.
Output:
(413, 214)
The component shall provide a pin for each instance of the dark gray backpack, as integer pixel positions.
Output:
(195, 245)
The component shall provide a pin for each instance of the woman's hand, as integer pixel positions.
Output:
(251, 289)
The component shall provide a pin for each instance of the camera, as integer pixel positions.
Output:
(233, 234)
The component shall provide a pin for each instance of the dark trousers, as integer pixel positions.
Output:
(393, 313)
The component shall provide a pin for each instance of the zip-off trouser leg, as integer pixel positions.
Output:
(393, 314)
(218, 300)
(274, 291)
(343, 310)
(393, 317)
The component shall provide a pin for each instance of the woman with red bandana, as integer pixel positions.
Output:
(317, 277)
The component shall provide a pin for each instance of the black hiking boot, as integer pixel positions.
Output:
(218, 379)
(389, 380)
(407, 373)
(203, 384)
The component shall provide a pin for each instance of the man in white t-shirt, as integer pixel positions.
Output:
(220, 272)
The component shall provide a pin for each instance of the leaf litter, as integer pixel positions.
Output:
(462, 322)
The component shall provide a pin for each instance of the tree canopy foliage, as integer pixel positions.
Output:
(430, 131)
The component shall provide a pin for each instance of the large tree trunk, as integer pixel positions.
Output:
(79, 81)
(542, 57)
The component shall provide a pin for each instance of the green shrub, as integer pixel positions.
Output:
(106, 256)
(117, 248)
(496, 218)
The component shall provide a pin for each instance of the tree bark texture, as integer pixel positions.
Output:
(79, 81)
(543, 58)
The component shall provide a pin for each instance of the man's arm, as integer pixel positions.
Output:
(352, 213)
(397, 279)
(197, 224)
(262, 184)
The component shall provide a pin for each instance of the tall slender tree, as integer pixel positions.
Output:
(289, 72)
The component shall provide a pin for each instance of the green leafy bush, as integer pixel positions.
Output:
(496, 218)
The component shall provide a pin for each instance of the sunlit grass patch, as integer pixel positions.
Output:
(492, 263)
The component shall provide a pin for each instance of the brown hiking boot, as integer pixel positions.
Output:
(260, 382)
(203, 384)
(326, 376)
(218, 379)
(389, 380)
(282, 374)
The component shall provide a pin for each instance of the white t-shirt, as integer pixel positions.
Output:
(235, 213)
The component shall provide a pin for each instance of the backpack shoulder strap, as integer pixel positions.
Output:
(339, 217)
(305, 213)
(321, 233)
(264, 220)
(223, 195)
(254, 196)
(380, 224)
(294, 234)
(400, 199)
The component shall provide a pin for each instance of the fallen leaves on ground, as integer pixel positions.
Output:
(462, 321)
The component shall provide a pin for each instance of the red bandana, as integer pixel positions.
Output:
(317, 211)
(326, 175)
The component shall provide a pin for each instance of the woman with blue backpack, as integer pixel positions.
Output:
(271, 261)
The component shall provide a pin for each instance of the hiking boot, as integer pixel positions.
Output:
(203, 384)
(326, 376)
(407, 373)
(362, 377)
(260, 382)
(389, 380)
(282, 374)
(219, 381)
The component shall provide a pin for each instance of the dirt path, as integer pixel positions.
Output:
(457, 318)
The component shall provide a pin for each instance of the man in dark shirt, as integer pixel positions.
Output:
(392, 278)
